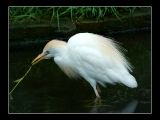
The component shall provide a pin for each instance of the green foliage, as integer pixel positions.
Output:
(37, 14)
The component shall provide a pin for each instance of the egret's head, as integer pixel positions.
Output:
(49, 50)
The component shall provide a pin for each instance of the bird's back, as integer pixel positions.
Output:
(107, 47)
(99, 58)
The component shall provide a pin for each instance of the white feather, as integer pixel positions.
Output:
(102, 60)
(95, 58)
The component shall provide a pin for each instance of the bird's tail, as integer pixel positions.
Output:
(129, 81)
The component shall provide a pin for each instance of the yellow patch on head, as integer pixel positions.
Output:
(54, 44)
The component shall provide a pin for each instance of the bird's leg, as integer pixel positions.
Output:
(96, 92)
(98, 97)
(98, 89)
(94, 85)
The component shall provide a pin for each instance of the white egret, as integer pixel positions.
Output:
(93, 57)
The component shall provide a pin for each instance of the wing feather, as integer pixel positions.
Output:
(106, 47)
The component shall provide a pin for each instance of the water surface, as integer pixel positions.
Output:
(47, 89)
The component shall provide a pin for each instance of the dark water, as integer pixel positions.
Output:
(47, 89)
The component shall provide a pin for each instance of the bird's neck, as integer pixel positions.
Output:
(59, 52)
(63, 60)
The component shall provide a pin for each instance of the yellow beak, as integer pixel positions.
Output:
(38, 58)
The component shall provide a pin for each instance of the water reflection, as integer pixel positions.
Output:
(128, 107)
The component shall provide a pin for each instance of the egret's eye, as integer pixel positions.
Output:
(47, 52)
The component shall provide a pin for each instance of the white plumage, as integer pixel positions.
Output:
(95, 58)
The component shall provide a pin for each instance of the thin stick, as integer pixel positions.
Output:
(19, 80)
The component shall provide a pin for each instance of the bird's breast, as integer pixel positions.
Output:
(66, 66)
